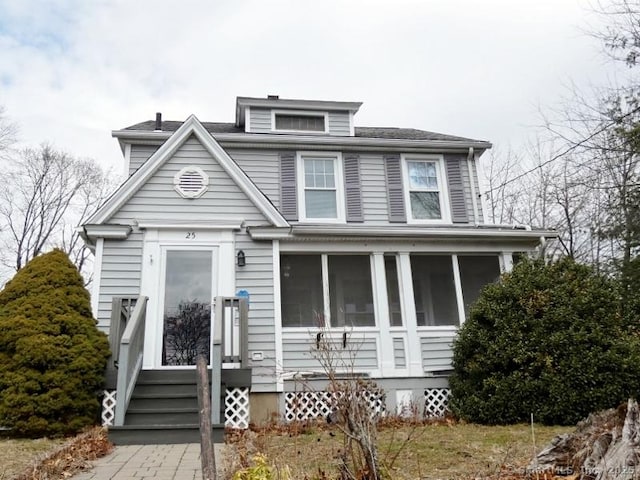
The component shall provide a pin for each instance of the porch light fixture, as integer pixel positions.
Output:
(242, 261)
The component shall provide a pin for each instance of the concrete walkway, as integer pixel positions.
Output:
(161, 462)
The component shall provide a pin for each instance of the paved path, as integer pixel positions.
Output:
(161, 462)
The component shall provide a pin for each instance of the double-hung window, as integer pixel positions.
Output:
(425, 192)
(320, 187)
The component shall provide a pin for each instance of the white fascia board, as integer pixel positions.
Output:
(260, 233)
(191, 126)
(278, 140)
(297, 104)
(115, 232)
(268, 233)
(213, 224)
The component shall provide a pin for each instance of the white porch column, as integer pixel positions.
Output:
(506, 262)
(381, 302)
(414, 353)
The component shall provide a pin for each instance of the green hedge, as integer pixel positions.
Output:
(52, 356)
(548, 340)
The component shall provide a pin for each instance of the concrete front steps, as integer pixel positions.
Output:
(164, 408)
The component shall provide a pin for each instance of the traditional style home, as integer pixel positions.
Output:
(370, 237)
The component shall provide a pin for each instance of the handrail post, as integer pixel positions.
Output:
(244, 332)
(216, 359)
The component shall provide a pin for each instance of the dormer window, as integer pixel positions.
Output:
(296, 121)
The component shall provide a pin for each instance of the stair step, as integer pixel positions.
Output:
(161, 434)
(162, 417)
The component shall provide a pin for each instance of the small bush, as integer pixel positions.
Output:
(548, 340)
(52, 356)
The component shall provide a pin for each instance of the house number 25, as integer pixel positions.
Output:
(191, 235)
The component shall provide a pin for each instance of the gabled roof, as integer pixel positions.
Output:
(362, 132)
(191, 126)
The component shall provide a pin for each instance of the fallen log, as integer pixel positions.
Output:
(605, 446)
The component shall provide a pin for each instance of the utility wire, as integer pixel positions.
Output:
(562, 154)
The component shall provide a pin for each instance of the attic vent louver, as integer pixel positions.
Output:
(191, 182)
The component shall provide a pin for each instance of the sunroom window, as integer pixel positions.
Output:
(425, 184)
(476, 271)
(348, 284)
(301, 291)
(393, 290)
(434, 290)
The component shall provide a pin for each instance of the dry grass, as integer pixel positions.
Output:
(17, 455)
(46, 459)
(433, 451)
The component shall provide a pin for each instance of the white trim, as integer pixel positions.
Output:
(458, 288)
(505, 260)
(211, 224)
(392, 231)
(368, 246)
(127, 159)
(300, 113)
(115, 232)
(339, 186)
(277, 314)
(247, 119)
(381, 309)
(352, 127)
(414, 350)
(97, 273)
(442, 190)
(191, 126)
(326, 294)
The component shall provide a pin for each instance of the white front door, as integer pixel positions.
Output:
(186, 309)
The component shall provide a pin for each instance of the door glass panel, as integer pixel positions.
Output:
(187, 306)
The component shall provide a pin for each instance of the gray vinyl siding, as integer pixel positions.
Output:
(257, 278)
(157, 200)
(374, 189)
(437, 353)
(260, 120)
(263, 168)
(399, 355)
(120, 274)
(339, 124)
(298, 353)
(468, 194)
(140, 154)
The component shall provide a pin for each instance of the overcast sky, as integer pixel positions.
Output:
(72, 71)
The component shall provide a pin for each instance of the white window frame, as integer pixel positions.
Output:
(442, 188)
(300, 113)
(339, 188)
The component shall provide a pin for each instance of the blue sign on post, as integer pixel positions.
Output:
(244, 294)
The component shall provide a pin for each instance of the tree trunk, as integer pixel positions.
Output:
(605, 446)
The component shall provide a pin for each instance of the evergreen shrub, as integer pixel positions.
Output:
(549, 339)
(52, 356)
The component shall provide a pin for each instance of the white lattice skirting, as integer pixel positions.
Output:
(108, 407)
(300, 406)
(236, 407)
(436, 402)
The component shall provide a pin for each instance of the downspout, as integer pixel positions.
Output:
(474, 198)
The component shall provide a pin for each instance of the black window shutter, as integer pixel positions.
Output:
(288, 187)
(459, 212)
(352, 188)
(395, 195)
